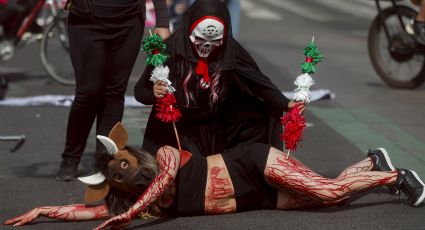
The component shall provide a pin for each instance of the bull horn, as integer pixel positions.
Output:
(94, 179)
(110, 146)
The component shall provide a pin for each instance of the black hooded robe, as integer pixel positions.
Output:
(249, 106)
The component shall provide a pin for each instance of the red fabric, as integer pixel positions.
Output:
(3, 2)
(202, 69)
(294, 124)
(309, 59)
(166, 109)
(184, 157)
(203, 18)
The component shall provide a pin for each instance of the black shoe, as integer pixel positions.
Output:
(382, 162)
(412, 186)
(68, 170)
(419, 28)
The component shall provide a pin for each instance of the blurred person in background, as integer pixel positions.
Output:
(419, 22)
(12, 13)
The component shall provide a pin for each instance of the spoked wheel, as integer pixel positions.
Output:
(55, 52)
(397, 60)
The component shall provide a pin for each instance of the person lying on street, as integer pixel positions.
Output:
(250, 176)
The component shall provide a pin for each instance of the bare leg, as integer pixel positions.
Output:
(362, 166)
(293, 200)
(287, 199)
(291, 174)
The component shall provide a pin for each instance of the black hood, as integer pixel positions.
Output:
(180, 45)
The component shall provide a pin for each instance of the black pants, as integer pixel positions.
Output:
(103, 53)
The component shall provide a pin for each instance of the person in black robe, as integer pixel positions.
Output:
(239, 103)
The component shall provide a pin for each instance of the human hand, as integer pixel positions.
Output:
(117, 222)
(163, 32)
(160, 89)
(301, 105)
(25, 218)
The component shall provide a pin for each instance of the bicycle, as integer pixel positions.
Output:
(395, 54)
(54, 47)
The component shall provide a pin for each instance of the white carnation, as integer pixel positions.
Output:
(160, 73)
(304, 81)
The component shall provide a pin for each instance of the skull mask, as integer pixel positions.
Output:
(207, 35)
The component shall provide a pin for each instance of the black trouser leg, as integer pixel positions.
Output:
(88, 55)
(103, 59)
(122, 53)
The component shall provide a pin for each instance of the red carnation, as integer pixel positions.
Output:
(166, 109)
(294, 124)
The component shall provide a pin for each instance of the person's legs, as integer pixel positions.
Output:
(88, 57)
(287, 199)
(419, 24)
(293, 200)
(291, 174)
(122, 53)
(9, 15)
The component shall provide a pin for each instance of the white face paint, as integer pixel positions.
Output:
(207, 36)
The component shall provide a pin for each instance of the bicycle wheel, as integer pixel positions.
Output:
(54, 52)
(397, 60)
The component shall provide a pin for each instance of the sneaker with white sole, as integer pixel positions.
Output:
(382, 162)
(412, 186)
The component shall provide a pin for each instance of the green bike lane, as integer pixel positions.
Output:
(365, 129)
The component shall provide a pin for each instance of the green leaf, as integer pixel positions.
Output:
(313, 56)
(154, 46)
(156, 59)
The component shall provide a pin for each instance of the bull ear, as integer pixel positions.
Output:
(94, 179)
(109, 144)
(119, 135)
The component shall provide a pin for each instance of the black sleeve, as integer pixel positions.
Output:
(143, 91)
(271, 96)
(257, 83)
(161, 13)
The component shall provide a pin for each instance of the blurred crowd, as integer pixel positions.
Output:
(178, 7)
(12, 12)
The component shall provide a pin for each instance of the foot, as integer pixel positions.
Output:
(419, 28)
(412, 186)
(382, 162)
(68, 170)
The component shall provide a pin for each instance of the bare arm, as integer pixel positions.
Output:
(168, 159)
(74, 212)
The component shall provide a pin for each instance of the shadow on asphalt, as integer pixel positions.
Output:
(382, 85)
(22, 76)
(153, 223)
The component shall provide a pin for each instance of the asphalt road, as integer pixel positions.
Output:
(366, 113)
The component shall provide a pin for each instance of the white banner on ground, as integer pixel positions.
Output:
(65, 101)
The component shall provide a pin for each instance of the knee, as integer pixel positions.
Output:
(166, 149)
(116, 92)
(331, 196)
(87, 96)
